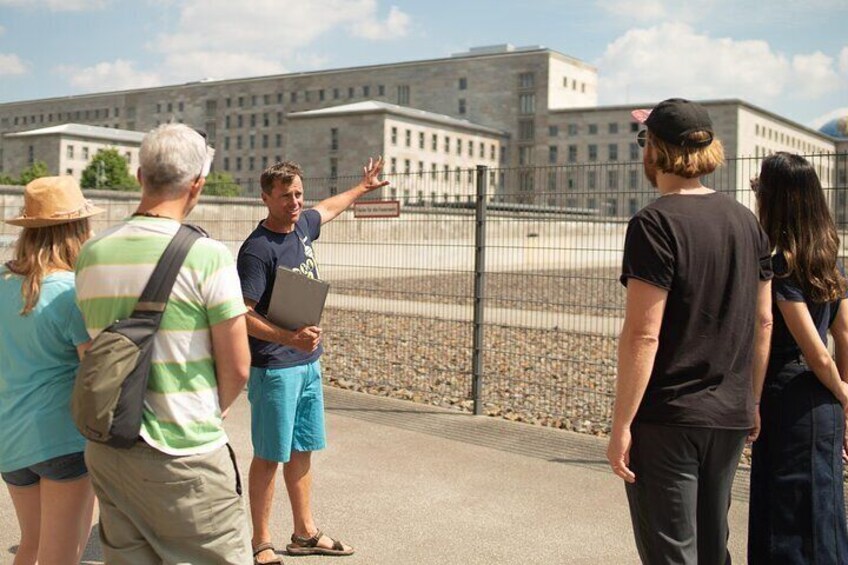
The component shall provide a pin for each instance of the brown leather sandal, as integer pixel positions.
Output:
(309, 546)
(277, 560)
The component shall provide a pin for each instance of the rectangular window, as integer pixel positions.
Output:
(634, 127)
(593, 129)
(238, 163)
(253, 120)
(458, 146)
(612, 180)
(526, 130)
(252, 140)
(553, 131)
(336, 94)
(229, 102)
(525, 155)
(462, 105)
(634, 151)
(420, 140)
(334, 139)
(406, 166)
(264, 141)
(403, 95)
(85, 153)
(251, 163)
(433, 171)
(408, 138)
(463, 83)
(394, 136)
(634, 179)
(321, 95)
(381, 89)
(226, 144)
(552, 154)
(572, 129)
(266, 99)
(526, 80)
(181, 106)
(447, 144)
(527, 103)
(393, 168)
(278, 140)
(613, 128)
(240, 120)
(70, 152)
(613, 152)
(434, 145)
(350, 93)
(593, 152)
(266, 119)
(293, 97)
(334, 167)
(366, 91)
(634, 206)
(238, 142)
(279, 118)
(226, 163)
(572, 153)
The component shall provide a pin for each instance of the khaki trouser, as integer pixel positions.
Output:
(157, 508)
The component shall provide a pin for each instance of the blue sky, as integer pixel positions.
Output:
(789, 57)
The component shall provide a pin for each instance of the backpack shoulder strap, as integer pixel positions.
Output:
(158, 289)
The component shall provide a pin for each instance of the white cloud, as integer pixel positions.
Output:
(58, 5)
(396, 25)
(672, 59)
(843, 61)
(195, 65)
(115, 75)
(11, 65)
(832, 115)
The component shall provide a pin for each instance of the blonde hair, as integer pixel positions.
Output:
(687, 162)
(41, 251)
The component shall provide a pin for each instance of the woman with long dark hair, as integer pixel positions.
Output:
(42, 335)
(797, 510)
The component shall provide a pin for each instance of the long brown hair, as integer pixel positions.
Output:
(41, 251)
(794, 213)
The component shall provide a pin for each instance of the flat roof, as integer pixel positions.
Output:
(82, 130)
(713, 102)
(378, 107)
(456, 57)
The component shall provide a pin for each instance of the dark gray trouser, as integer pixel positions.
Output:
(680, 500)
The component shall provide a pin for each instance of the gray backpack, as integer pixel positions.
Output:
(108, 397)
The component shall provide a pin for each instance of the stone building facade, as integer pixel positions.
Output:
(554, 145)
(67, 149)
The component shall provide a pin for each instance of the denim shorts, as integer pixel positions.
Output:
(63, 468)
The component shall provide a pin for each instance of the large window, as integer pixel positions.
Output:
(526, 80)
(403, 95)
(527, 103)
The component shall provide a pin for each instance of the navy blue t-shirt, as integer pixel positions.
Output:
(784, 348)
(260, 255)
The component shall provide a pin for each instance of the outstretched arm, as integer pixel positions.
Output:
(335, 205)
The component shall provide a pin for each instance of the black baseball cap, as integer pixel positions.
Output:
(674, 119)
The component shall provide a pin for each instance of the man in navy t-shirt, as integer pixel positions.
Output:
(285, 394)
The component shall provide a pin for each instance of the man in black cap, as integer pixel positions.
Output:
(694, 346)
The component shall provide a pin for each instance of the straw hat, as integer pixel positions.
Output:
(50, 201)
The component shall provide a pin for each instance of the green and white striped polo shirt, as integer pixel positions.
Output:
(182, 415)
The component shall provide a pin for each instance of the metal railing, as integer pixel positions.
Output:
(495, 291)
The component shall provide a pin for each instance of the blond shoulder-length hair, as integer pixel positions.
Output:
(44, 250)
(687, 162)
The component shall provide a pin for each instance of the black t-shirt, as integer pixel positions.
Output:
(260, 255)
(709, 252)
(787, 288)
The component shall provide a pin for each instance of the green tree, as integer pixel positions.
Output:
(221, 184)
(6, 179)
(35, 171)
(108, 170)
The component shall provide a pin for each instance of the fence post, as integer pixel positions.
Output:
(479, 291)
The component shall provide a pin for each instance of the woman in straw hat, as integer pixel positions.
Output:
(42, 335)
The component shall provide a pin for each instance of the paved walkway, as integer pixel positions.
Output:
(408, 484)
(536, 319)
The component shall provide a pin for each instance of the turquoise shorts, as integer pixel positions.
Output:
(286, 411)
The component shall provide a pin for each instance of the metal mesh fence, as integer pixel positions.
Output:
(527, 317)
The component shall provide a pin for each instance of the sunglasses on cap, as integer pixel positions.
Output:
(642, 138)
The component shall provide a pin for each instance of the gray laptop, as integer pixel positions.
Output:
(296, 300)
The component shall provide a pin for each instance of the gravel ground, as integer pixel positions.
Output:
(551, 378)
(595, 292)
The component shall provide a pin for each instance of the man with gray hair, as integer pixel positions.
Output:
(175, 496)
